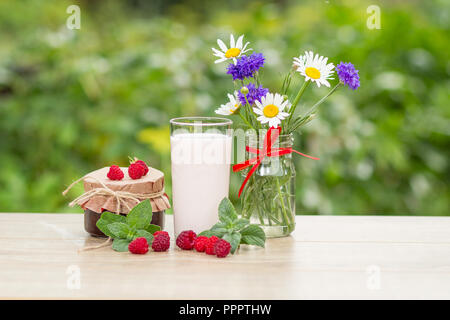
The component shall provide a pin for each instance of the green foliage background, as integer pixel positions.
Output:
(74, 101)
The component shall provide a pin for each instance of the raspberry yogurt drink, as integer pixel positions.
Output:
(200, 155)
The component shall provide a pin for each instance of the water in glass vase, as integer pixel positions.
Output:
(269, 197)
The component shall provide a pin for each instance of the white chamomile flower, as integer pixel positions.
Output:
(235, 51)
(314, 68)
(271, 109)
(231, 106)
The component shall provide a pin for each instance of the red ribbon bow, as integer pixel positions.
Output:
(267, 151)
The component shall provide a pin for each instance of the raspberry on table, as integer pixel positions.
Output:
(200, 243)
(210, 245)
(138, 246)
(115, 173)
(161, 242)
(185, 240)
(222, 248)
(160, 232)
(136, 171)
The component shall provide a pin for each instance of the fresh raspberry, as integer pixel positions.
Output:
(200, 243)
(186, 240)
(160, 232)
(115, 173)
(135, 171)
(161, 241)
(138, 246)
(210, 246)
(142, 163)
(222, 248)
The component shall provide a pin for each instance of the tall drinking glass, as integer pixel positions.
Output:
(201, 154)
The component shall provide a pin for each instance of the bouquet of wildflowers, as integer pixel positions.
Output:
(260, 108)
(269, 196)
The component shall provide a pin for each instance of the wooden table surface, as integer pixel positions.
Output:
(326, 257)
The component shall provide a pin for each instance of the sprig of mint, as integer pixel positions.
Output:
(125, 229)
(235, 230)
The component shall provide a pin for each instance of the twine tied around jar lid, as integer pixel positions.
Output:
(119, 195)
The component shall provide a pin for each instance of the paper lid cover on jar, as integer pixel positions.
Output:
(123, 195)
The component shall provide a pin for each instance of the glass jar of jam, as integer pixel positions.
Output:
(120, 196)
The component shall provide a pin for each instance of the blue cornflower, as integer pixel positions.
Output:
(253, 94)
(246, 67)
(348, 75)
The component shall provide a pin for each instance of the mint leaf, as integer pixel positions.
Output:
(152, 228)
(145, 234)
(227, 222)
(219, 232)
(219, 225)
(107, 218)
(119, 230)
(227, 212)
(253, 235)
(120, 245)
(240, 223)
(213, 232)
(234, 238)
(141, 215)
(220, 228)
(233, 229)
(206, 233)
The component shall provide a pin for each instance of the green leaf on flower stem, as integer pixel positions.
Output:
(119, 230)
(234, 238)
(106, 219)
(227, 211)
(121, 245)
(141, 215)
(144, 234)
(152, 228)
(253, 235)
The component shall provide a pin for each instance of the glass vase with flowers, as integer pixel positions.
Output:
(268, 189)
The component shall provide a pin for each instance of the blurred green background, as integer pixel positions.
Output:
(72, 101)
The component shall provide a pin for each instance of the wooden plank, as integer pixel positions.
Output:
(327, 257)
(308, 228)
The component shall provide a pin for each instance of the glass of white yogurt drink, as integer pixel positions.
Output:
(201, 155)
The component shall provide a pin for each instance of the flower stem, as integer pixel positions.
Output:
(245, 120)
(314, 107)
(258, 207)
(281, 199)
(309, 115)
(249, 112)
(256, 77)
(297, 98)
(286, 83)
